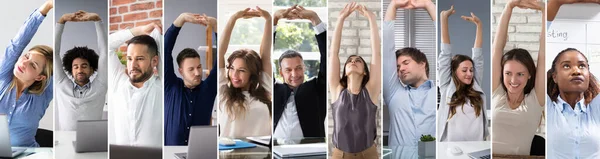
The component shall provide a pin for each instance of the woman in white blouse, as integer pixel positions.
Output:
(461, 112)
(518, 88)
(245, 84)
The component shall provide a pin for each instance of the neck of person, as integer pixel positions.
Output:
(22, 85)
(81, 84)
(419, 82)
(571, 97)
(354, 83)
(190, 86)
(515, 97)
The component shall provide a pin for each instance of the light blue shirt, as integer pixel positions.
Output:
(573, 132)
(412, 110)
(24, 114)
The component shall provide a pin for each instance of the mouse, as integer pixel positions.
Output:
(455, 151)
(226, 141)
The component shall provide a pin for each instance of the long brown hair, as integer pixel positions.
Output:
(38, 87)
(463, 91)
(552, 86)
(233, 97)
(522, 56)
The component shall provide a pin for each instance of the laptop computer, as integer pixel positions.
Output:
(129, 152)
(5, 148)
(91, 136)
(300, 150)
(202, 143)
(483, 154)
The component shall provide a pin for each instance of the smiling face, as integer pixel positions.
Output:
(239, 74)
(571, 72)
(292, 71)
(515, 77)
(30, 66)
(409, 70)
(191, 70)
(140, 64)
(464, 72)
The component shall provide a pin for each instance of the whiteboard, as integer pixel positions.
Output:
(575, 26)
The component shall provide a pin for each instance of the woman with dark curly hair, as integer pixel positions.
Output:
(245, 97)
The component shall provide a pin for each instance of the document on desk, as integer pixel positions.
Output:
(264, 140)
(300, 150)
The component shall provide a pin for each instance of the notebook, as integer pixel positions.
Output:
(239, 144)
(300, 150)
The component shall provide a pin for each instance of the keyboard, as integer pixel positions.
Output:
(483, 154)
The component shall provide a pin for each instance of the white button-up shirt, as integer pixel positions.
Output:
(136, 114)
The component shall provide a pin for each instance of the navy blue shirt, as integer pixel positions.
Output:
(185, 107)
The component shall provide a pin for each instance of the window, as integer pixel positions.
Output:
(247, 33)
(298, 35)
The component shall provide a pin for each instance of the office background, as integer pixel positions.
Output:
(14, 15)
(191, 35)
(462, 34)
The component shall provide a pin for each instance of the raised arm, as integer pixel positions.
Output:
(59, 27)
(445, 56)
(22, 38)
(102, 45)
(170, 39)
(265, 44)
(427, 5)
(554, 6)
(321, 36)
(226, 35)
(502, 34)
(477, 50)
(541, 65)
(334, 60)
(374, 83)
(391, 82)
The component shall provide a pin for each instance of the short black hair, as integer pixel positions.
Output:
(415, 54)
(289, 54)
(186, 53)
(80, 52)
(145, 40)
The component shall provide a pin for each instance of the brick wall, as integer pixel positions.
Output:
(126, 14)
(356, 39)
(523, 32)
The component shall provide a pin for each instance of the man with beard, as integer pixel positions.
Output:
(188, 100)
(407, 91)
(135, 93)
(78, 97)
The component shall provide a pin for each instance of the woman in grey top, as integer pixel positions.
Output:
(354, 110)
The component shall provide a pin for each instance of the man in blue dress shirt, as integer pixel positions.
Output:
(188, 100)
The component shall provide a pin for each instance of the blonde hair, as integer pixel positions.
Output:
(38, 87)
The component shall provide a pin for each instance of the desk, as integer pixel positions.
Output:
(300, 141)
(466, 147)
(35, 153)
(258, 152)
(169, 151)
(65, 150)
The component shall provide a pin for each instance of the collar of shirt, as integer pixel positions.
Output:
(564, 106)
(425, 86)
(77, 87)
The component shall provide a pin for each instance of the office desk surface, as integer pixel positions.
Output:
(35, 153)
(299, 141)
(65, 150)
(403, 152)
(466, 147)
(259, 152)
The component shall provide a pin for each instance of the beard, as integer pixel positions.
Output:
(84, 79)
(143, 77)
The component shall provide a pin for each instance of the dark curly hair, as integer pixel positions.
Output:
(80, 52)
